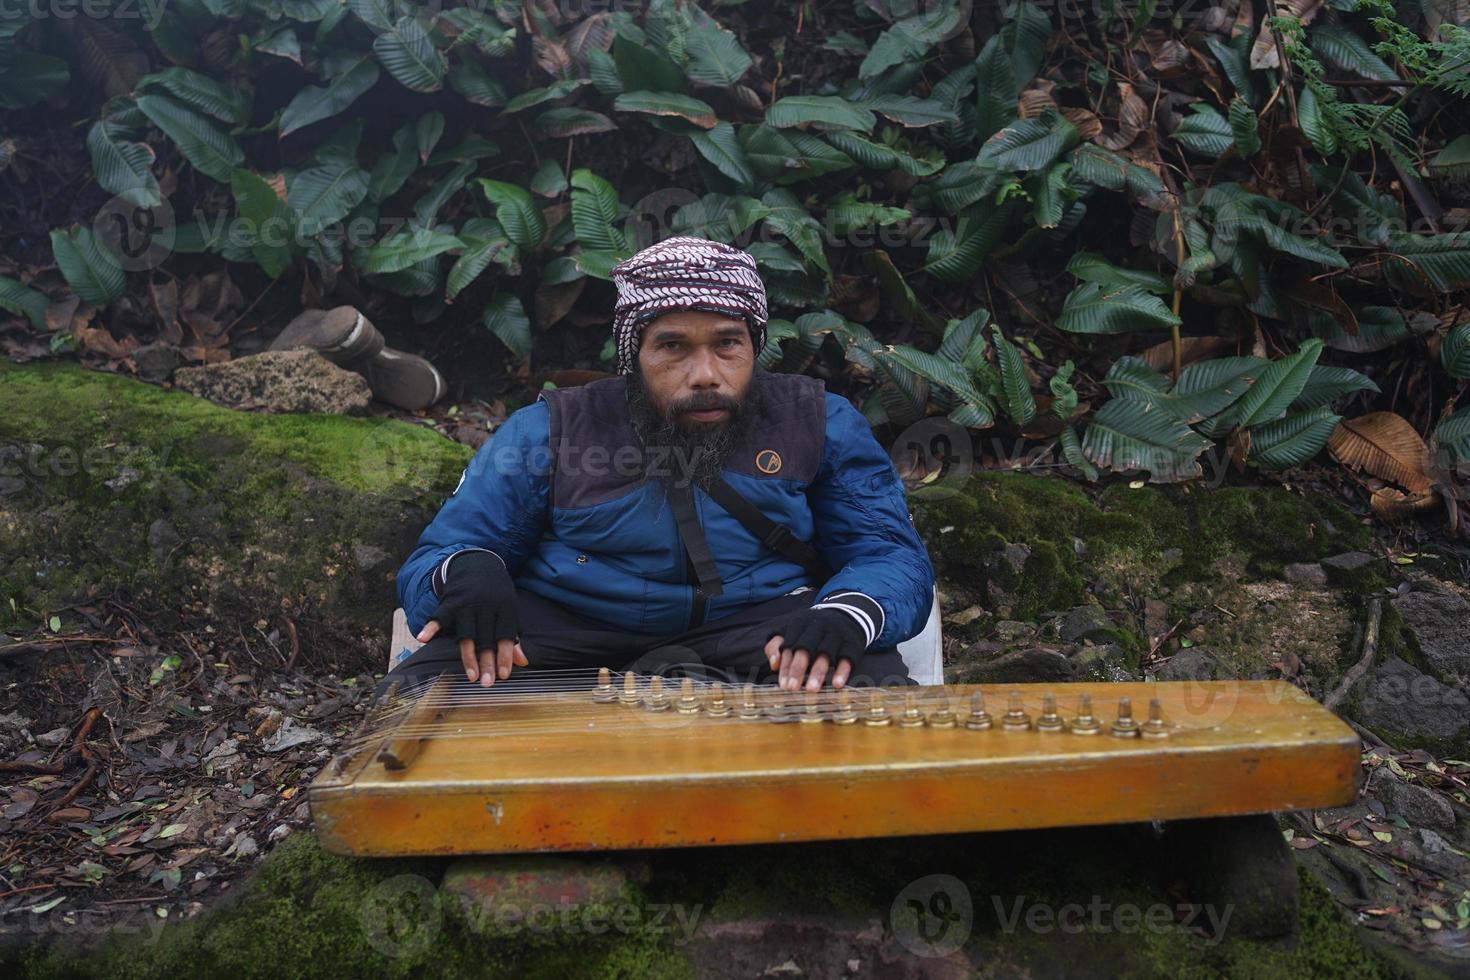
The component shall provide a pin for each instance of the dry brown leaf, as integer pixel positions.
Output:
(1167, 56)
(555, 300)
(595, 32)
(109, 58)
(1160, 357)
(1133, 118)
(1386, 446)
(1395, 507)
(278, 184)
(1036, 99)
(1089, 127)
(1263, 51)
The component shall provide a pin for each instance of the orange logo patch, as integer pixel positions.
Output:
(768, 461)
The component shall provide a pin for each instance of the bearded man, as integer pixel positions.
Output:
(692, 513)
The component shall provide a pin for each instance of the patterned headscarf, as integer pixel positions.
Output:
(685, 274)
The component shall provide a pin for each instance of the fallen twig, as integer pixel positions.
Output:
(1370, 649)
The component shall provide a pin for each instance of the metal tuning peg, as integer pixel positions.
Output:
(979, 719)
(688, 703)
(629, 696)
(810, 715)
(912, 717)
(943, 716)
(1124, 726)
(1085, 723)
(657, 700)
(1015, 719)
(1050, 721)
(1155, 726)
(717, 707)
(877, 714)
(749, 710)
(604, 693)
(845, 714)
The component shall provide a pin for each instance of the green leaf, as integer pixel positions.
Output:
(1092, 267)
(1050, 194)
(1279, 385)
(913, 112)
(403, 249)
(957, 256)
(879, 156)
(642, 68)
(324, 195)
(1072, 452)
(427, 133)
(1292, 440)
(787, 216)
(123, 167)
(506, 318)
(995, 88)
(92, 274)
(946, 374)
(556, 90)
(1454, 352)
(1349, 52)
(549, 181)
(26, 78)
(477, 85)
(1026, 34)
(16, 297)
(1130, 435)
(1107, 169)
(225, 103)
(1206, 132)
(1030, 144)
(909, 40)
(1234, 58)
(1375, 215)
(485, 242)
(1019, 402)
(315, 103)
(1094, 308)
(407, 51)
(270, 227)
(721, 147)
(211, 150)
(847, 214)
(561, 122)
(715, 56)
(1064, 395)
(1452, 438)
(668, 104)
(603, 71)
(821, 112)
(1326, 385)
(426, 208)
(1439, 262)
(1379, 328)
(1245, 127)
(517, 214)
(595, 210)
(394, 167)
(1205, 389)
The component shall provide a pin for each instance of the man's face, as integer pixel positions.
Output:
(696, 367)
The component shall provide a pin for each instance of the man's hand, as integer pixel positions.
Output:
(805, 645)
(478, 603)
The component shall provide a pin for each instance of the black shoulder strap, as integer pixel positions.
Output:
(777, 537)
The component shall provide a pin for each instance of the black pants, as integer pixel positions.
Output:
(729, 649)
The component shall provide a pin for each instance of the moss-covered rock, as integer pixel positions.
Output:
(112, 487)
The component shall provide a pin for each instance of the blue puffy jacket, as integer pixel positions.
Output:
(560, 495)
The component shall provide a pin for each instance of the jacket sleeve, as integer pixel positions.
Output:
(884, 578)
(501, 505)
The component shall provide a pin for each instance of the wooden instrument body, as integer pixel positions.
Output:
(559, 772)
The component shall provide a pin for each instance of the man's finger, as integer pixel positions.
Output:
(430, 630)
(487, 667)
(773, 651)
(467, 658)
(842, 673)
(520, 656)
(504, 655)
(819, 672)
(799, 660)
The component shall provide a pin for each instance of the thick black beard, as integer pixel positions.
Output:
(676, 452)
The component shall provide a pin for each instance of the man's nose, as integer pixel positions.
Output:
(703, 370)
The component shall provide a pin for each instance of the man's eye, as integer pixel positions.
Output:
(729, 342)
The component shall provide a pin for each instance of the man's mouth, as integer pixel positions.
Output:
(707, 414)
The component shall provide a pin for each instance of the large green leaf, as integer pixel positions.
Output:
(407, 248)
(559, 89)
(92, 274)
(324, 195)
(26, 78)
(517, 214)
(1292, 440)
(1379, 328)
(595, 210)
(269, 227)
(315, 103)
(560, 122)
(995, 89)
(721, 147)
(668, 104)
(821, 112)
(122, 166)
(1092, 267)
(1279, 385)
(426, 208)
(408, 52)
(1327, 384)
(1452, 439)
(1315, 125)
(1374, 215)
(1245, 127)
(1234, 57)
(395, 166)
(1437, 262)
(506, 318)
(1454, 352)
(225, 103)
(715, 55)
(1094, 308)
(1350, 52)
(477, 85)
(1128, 435)
(17, 297)
(1030, 144)
(1206, 132)
(211, 150)
(485, 242)
(957, 256)
(910, 39)
(787, 156)
(1105, 168)
(944, 373)
(1207, 388)
(880, 156)
(787, 216)
(1019, 402)
(911, 111)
